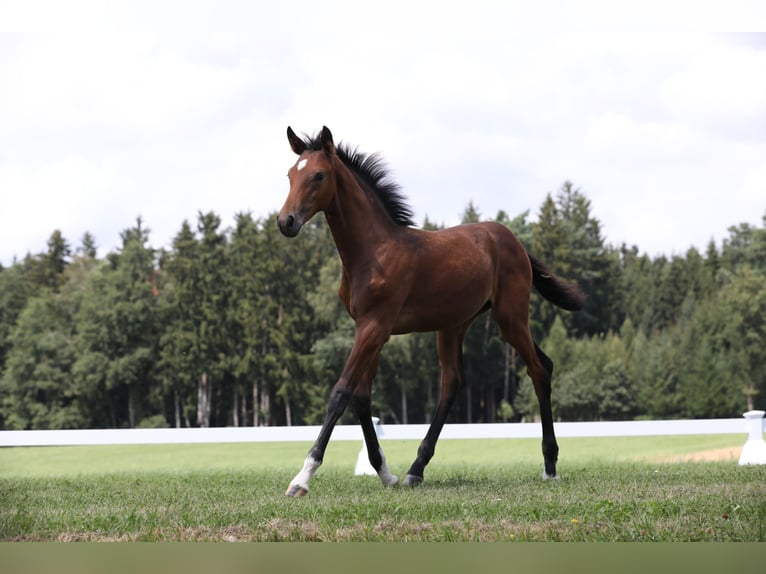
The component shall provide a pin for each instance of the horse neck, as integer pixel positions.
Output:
(358, 221)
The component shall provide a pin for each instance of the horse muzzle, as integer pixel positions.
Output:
(289, 224)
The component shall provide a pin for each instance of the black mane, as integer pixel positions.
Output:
(372, 170)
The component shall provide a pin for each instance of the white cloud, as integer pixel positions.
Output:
(753, 189)
(133, 111)
(62, 195)
(617, 138)
(111, 81)
(722, 86)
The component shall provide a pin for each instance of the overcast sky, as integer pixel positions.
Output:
(113, 110)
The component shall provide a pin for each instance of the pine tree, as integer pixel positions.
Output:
(117, 330)
(37, 388)
(88, 247)
(568, 238)
(179, 361)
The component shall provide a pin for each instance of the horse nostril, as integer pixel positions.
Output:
(289, 226)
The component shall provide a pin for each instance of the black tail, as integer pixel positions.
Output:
(561, 293)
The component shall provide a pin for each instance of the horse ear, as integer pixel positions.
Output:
(327, 144)
(296, 143)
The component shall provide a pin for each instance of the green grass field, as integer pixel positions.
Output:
(616, 489)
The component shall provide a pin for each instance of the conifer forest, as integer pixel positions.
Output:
(235, 325)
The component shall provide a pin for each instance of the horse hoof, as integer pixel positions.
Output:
(296, 491)
(392, 481)
(411, 480)
(547, 476)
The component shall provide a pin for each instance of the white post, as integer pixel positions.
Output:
(754, 451)
(363, 466)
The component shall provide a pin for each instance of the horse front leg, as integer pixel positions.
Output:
(368, 340)
(362, 406)
(339, 396)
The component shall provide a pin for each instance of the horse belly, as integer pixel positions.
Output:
(447, 297)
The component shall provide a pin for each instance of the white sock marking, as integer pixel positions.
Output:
(385, 475)
(310, 467)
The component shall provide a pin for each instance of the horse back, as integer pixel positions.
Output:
(452, 274)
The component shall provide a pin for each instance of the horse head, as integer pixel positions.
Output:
(312, 181)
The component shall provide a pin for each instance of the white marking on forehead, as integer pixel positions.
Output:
(301, 164)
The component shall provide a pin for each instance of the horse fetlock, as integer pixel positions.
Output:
(550, 474)
(300, 484)
(390, 480)
(412, 480)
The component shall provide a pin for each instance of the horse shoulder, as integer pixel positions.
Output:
(381, 283)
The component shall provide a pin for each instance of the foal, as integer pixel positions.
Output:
(399, 279)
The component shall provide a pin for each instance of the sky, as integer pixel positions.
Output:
(109, 111)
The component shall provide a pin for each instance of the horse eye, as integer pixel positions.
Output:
(319, 176)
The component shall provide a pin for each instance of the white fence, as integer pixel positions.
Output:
(353, 432)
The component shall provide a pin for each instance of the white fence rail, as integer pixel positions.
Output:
(353, 432)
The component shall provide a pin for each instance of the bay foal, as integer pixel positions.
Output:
(399, 279)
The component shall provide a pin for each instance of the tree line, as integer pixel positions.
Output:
(239, 326)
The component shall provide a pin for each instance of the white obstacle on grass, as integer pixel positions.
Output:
(754, 451)
(363, 466)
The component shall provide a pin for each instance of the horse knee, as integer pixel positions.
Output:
(339, 398)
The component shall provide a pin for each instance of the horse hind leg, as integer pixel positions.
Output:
(550, 446)
(515, 330)
(449, 345)
(540, 370)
